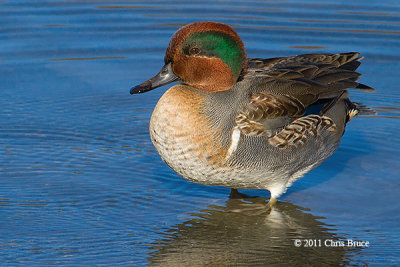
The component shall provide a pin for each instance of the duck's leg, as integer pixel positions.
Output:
(253, 208)
(236, 194)
(271, 203)
(276, 191)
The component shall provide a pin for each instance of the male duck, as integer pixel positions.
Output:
(248, 122)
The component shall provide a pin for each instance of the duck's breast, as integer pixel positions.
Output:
(185, 140)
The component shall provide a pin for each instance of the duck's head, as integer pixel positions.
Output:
(206, 55)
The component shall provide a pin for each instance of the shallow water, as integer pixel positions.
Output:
(82, 184)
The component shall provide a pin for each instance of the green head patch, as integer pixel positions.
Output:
(216, 44)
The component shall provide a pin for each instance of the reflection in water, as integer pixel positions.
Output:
(230, 235)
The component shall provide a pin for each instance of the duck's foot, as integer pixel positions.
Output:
(256, 209)
(236, 194)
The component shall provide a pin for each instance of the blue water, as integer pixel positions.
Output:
(81, 183)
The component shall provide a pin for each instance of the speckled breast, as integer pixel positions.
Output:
(185, 141)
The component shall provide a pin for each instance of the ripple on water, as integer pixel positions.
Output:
(82, 183)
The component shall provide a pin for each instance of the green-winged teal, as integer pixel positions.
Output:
(248, 122)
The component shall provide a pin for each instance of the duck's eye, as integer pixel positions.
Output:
(194, 51)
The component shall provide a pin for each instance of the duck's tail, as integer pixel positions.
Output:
(363, 109)
(354, 108)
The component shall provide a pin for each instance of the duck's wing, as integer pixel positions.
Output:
(285, 89)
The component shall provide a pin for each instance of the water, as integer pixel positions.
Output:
(81, 183)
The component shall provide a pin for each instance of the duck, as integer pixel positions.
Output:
(248, 123)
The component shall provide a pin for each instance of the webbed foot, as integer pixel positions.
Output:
(236, 194)
(256, 208)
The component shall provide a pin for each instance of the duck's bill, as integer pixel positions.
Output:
(165, 76)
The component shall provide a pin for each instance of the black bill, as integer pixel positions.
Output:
(165, 76)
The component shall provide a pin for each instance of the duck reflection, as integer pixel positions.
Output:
(236, 235)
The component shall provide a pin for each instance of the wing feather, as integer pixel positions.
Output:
(283, 88)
